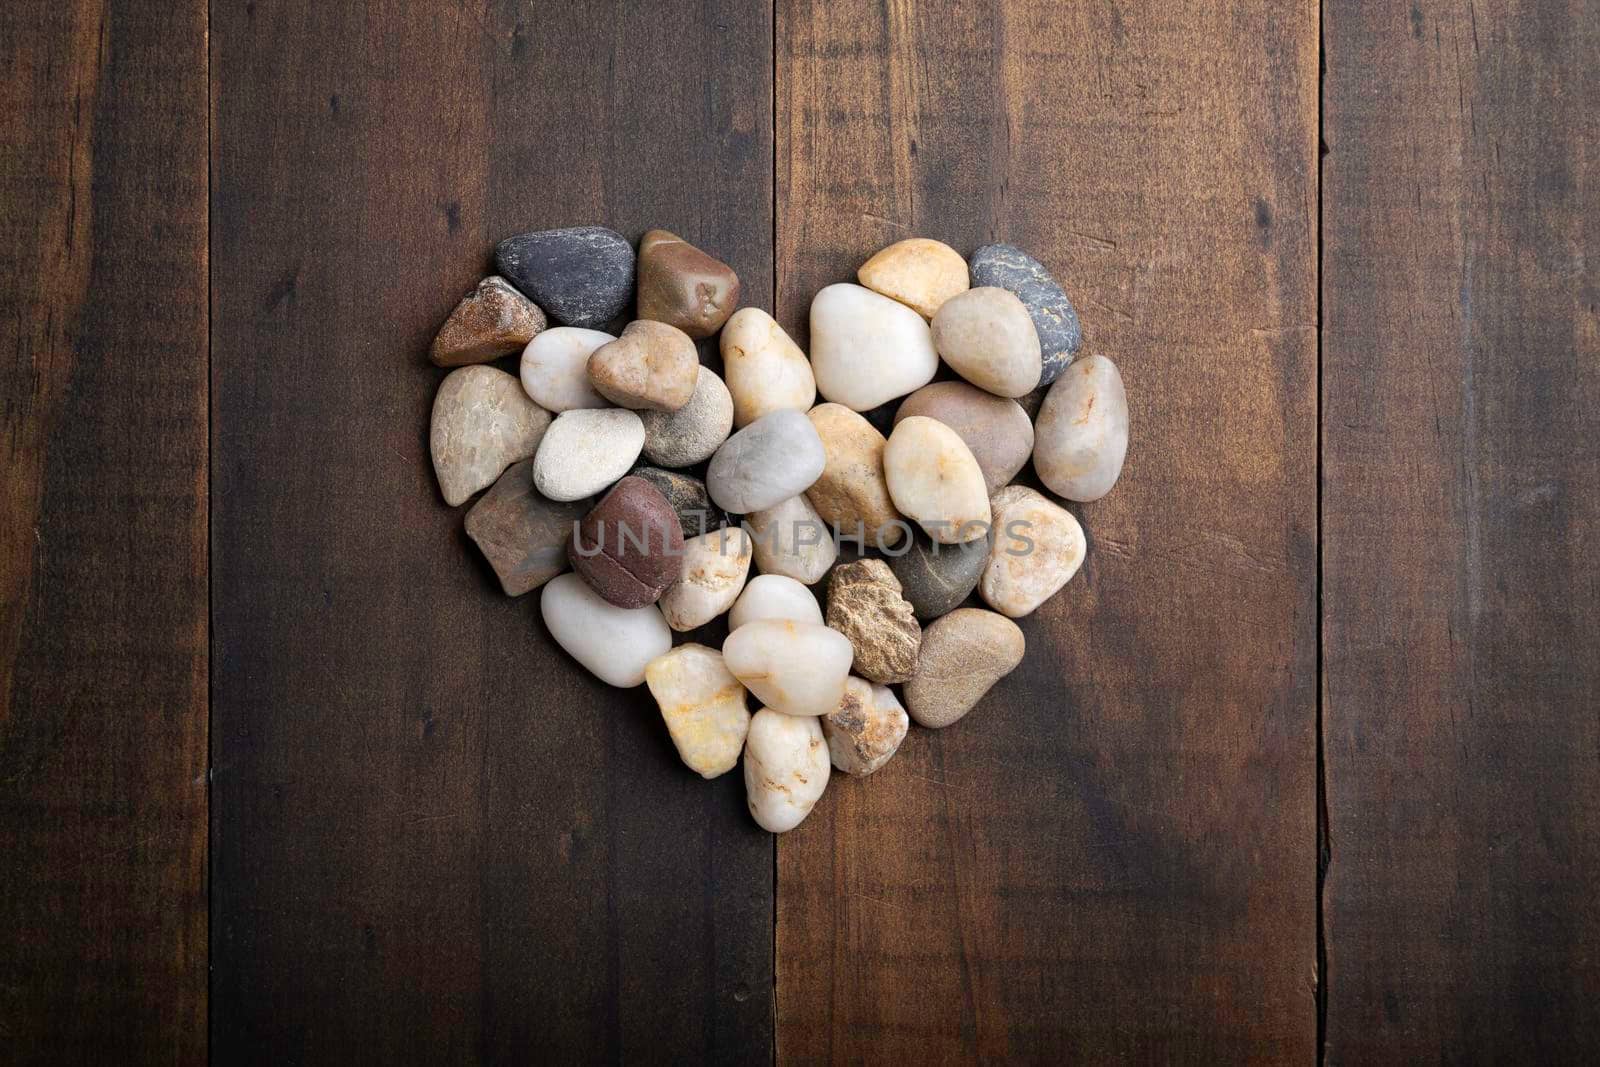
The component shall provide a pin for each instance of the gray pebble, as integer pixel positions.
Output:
(937, 578)
(582, 276)
(1008, 267)
(774, 458)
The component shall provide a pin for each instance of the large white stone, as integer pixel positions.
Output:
(703, 706)
(1081, 437)
(555, 368)
(586, 450)
(785, 769)
(482, 423)
(774, 596)
(867, 349)
(935, 480)
(765, 370)
(987, 335)
(715, 565)
(792, 540)
(774, 458)
(797, 668)
(615, 644)
(1038, 546)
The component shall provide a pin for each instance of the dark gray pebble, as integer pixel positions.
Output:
(937, 578)
(688, 497)
(582, 276)
(1009, 267)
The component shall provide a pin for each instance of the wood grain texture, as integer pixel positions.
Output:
(1113, 856)
(436, 838)
(103, 616)
(1461, 630)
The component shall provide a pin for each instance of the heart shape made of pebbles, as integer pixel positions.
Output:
(748, 468)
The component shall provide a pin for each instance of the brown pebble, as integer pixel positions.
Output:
(651, 367)
(522, 535)
(963, 655)
(493, 320)
(682, 286)
(864, 604)
(630, 547)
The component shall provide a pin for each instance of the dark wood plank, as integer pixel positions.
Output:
(1461, 630)
(103, 619)
(1113, 856)
(438, 839)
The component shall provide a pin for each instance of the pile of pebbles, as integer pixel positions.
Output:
(916, 475)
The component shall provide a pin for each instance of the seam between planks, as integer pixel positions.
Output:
(1323, 853)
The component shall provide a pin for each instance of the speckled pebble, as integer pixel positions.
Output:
(1060, 335)
(581, 276)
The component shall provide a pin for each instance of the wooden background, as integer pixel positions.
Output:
(1305, 765)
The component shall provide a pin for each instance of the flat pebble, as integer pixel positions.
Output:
(691, 434)
(851, 492)
(614, 644)
(765, 370)
(482, 423)
(1054, 319)
(555, 368)
(629, 547)
(985, 334)
(963, 655)
(865, 605)
(522, 535)
(586, 450)
(785, 769)
(493, 320)
(1082, 433)
(866, 729)
(936, 578)
(867, 349)
(773, 596)
(774, 458)
(934, 479)
(797, 668)
(997, 431)
(703, 705)
(580, 276)
(919, 272)
(792, 540)
(651, 367)
(688, 497)
(713, 572)
(682, 286)
(1038, 547)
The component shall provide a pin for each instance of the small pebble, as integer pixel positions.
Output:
(1054, 319)
(691, 434)
(985, 334)
(851, 493)
(555, 368)
(482, 423)
(785, 769)
(794, 667)
(688, 497)
(586, 450)
(918, 272)
(865, 729)
(629, 548)
(934, 479)
(864, 604)
(703, 705)
(651, 367)
(711, 576)
(792, 540)
(493, 320)
(682, 286)
(997, 431)
(1038, 547)
(614, 644)
(1082, 433)
(766, 371)
(522, 535)
(867, 349)
(773, 596)
(774, 458)
(580, 276)
(936, 578)
(963, 655)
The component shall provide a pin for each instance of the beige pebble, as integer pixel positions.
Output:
(1081, 437)
(482, 423)
(764, 369)
(963, 655)
(866, 729)
(715, 566)
(864, 604)
(651, 367)
(792, 540)
(987, 336)
(919, 272)
(703, 705)
(1038, 547)
(997, 430)
(786, 769)
(934, 479)
(851, 492)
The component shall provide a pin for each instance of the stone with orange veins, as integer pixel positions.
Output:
(919, 272)
(703, 705)
(851, 494)
(934, 479)
(866, 729)
(682, 286)
(786, 768)
(765, 370)
(493, 320)
(715, 566)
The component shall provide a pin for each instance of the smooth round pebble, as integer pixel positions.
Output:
(1038, 547)
(919, 272)
(713, 572)
(985, 334)
(555, 368)
(997, 430)
(765, 370)
(934, 479)
(614, 644)
(866, 729)
(936, 578)
(773, 596)
(629, 547)
(774, 458)
(691, 434)
(586, 450)
(792, 540)
(482, 423)
(703, 705)
(851, 493)
(797, 668)
(1054, 319)
(651, 367)
(963, 655)
(1081, 438)
(786, 769)
(867, 349)
(581, 276)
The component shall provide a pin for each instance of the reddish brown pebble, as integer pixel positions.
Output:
(522, 535)
(630, 547)
(493, 320)
(682, 286)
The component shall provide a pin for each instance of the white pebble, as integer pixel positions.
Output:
(615, 644)
(792, 540)
(586, 450)
(774, 596)
(797, 668)
(934, 479)
(867, 349)
(785, 769)
(715, 565)
(764, 368)
(555, 368)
